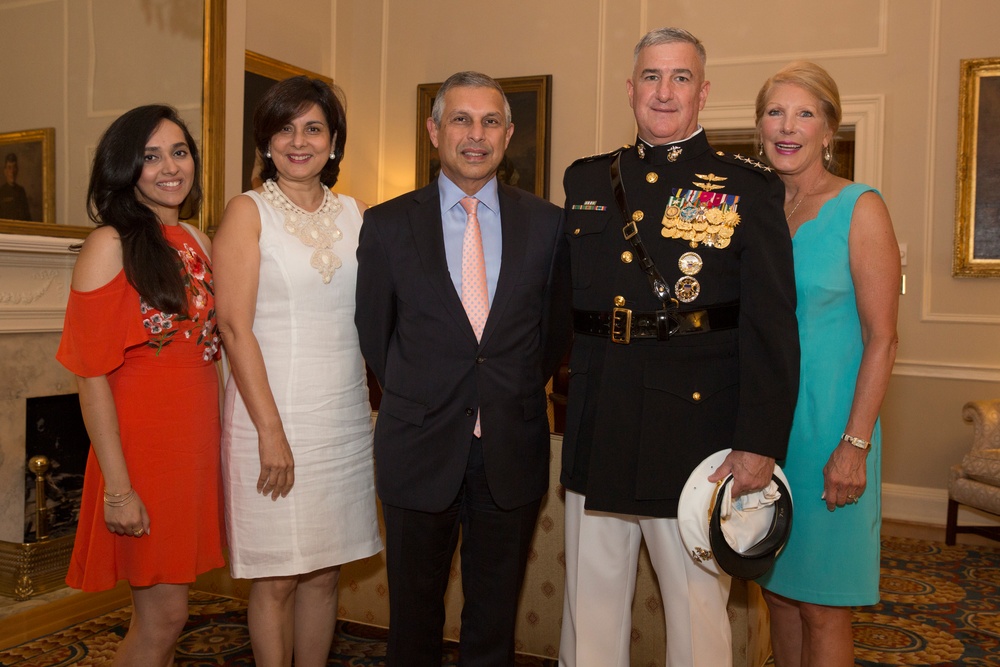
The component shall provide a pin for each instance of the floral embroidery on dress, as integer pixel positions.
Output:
(197, 278)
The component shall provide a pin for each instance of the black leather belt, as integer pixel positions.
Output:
(622, 324)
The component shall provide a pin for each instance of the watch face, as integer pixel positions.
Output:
(860, 443)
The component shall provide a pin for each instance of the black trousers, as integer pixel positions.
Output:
(419, 550)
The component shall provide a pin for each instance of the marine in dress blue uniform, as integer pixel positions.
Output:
(661, 379)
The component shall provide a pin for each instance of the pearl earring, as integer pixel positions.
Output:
(268, 154)
(333, 155)
(827, 155)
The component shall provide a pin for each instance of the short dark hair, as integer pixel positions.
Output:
(11, 157)
(150, 263)
(290, 98)
(467, 79)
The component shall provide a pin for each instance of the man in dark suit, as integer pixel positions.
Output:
(686, 344)
(463, 315)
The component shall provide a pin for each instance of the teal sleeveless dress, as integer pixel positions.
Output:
(831, 558)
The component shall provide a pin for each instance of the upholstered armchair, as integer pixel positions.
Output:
(976, 481)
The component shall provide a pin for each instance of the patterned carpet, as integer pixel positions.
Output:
(216, 634)
(940, 606)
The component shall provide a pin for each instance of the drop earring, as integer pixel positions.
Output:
(333, 155)
(827, 155)
(760, 149)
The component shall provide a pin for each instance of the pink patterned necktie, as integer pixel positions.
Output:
(475, 297)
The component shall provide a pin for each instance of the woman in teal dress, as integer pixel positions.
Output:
(847, 276)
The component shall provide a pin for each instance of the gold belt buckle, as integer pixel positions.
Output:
(621, 326)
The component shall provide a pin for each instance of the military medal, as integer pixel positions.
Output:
(687, 289)
(690, 263)
(701, 216)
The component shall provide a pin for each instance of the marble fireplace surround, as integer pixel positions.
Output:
(35, 273)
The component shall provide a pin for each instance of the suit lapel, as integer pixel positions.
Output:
(514, 229)
(428, 237)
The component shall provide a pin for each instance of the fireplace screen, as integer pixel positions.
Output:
(55, 429)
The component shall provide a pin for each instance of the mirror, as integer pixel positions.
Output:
(89, 44)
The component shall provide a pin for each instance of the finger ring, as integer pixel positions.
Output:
(852, 499)
(138, 533)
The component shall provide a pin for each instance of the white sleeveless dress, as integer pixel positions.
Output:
(306, 333)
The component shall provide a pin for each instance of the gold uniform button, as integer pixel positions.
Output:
(637, 216)
(576, 232)
(619, 301)
(651, 177)
(627, 257)
(696, 396)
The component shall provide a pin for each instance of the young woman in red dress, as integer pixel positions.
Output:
(140, 335)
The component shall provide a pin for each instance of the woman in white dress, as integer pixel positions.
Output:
(297, 433)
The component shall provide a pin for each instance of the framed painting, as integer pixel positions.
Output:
(977, 188)
(27, 190)
(526, 161)
(259, 74)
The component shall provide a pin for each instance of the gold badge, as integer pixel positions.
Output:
(641, 149)
(674, 152)
(711, 181)
(690, 263)
(637, 216)
(619, 301)
(627, 257)
(651, 177)
(687, 289)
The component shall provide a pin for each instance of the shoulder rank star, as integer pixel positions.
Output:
(711, 184)
(751, 161)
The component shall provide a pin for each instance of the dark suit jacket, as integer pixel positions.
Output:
(434, 375)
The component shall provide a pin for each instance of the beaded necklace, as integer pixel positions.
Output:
(317, 229)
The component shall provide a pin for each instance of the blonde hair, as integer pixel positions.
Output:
(811, 78)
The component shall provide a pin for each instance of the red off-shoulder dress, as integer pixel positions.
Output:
(165, 389)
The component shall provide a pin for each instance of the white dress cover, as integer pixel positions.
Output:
(306, 333)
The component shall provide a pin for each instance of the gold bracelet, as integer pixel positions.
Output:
(119, 500)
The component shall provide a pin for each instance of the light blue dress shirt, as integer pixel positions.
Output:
(453, 219)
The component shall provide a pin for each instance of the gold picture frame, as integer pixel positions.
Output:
(260, 72)
(526, 161)
(29, 161)
(977, 186)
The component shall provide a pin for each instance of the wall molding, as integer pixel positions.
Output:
(880, 48)
(946, 371)
(927, 313)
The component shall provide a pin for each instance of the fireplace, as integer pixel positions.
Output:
(35, 275)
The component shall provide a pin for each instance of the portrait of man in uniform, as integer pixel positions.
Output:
(13, 198)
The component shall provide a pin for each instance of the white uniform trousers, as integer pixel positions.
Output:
(602, 551)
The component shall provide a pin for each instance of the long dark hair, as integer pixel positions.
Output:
(151, 265)
(290, 98)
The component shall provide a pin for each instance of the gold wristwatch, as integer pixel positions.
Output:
(860, 443)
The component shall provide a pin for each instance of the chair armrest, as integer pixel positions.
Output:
(985, 418)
